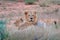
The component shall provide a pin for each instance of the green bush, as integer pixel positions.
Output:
(29, 1)
(3, 31)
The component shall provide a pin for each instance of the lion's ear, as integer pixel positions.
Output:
(26, 13)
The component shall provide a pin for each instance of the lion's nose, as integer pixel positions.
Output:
(31, 18)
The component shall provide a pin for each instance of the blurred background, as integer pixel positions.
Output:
(46, 9)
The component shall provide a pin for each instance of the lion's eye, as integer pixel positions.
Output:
(32, 15)
(29, 15)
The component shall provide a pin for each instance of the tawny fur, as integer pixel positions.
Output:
(49, 21)
(28, 22)
(18, 22)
